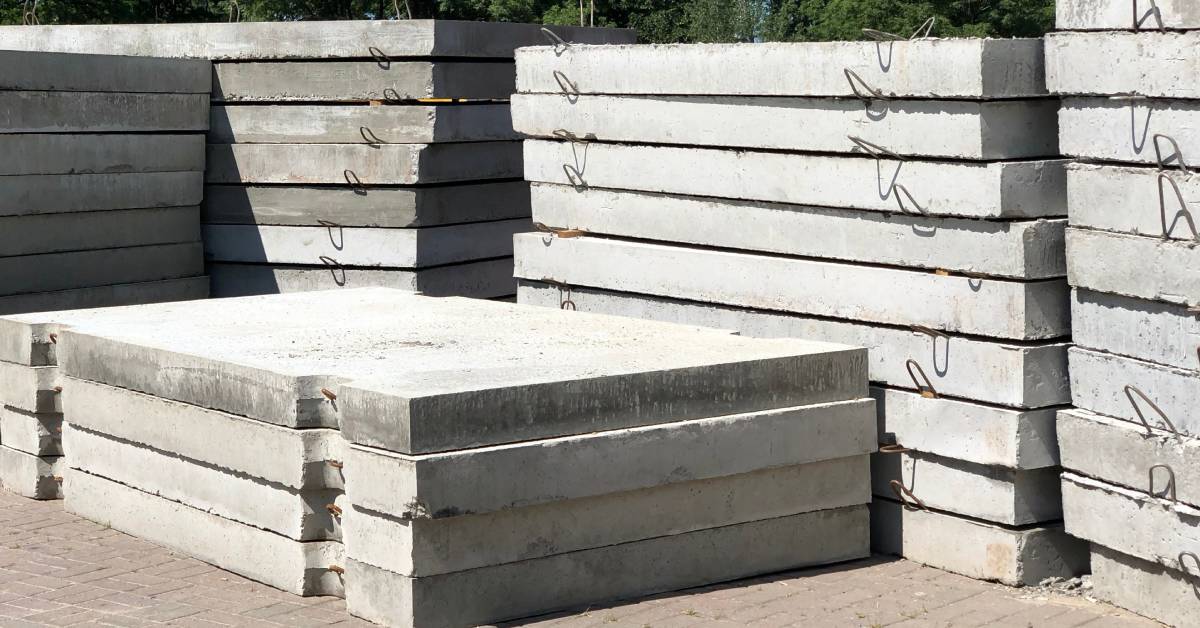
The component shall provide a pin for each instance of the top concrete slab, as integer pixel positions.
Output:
(1085, 15)
(923, 68)
(1155, 64)
(303, 40)
(46, 71)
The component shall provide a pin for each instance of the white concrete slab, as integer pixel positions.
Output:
(1083, 15)
(1100, 382)
(37, 69)
(1145, 588)
(943, 68)
(1023, 375)
(1124, 129)
(82, 269)
(49, 194)
(1125, 200)
(100, 153)
(1012, 189)
(30, 388)
(481, 596)
(1155, 64)
(35, 477)
(98, 112)
(1134, 266)
(80, 231)
(480, 280)
(349, 124)
(38, 434)
(359, 81)
(185, 289)
(1147, 330)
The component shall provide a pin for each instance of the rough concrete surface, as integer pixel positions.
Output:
(81, 269)
(38, 434)
(1125, 200)
(1144, 587)
(480, 280)
(1154, 64)
(186, 289)
(1099, 383)
(1028, 249)
(60, 193)
(97, 112)
(1152, 331)
(100, 153)
(35, 477)
(355, 124)
(342, 81)
(55, 233)
(1100, 261)
(1124, 129)
(1116, 14)
(1012, 189)
(30, 388)
(35, 69)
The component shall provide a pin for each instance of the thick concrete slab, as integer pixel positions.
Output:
(1099, 383)
(1013, 189)
(1082, 15)
(957, 129)
(38, 434)
(362, 246)
(1032, 249)
(1012, 556)
(186, 289)
(40, 69)
(359, 165)
(481, 596)
(995, 494)
(51, 194)
(80, 269)
(56, 153)
(98, 112)
(30, 388)
(277, 561)
(303, 40)
(954, 303)
(1125, 129)
(970, 432)
(420, 547)
(1154, 64)
(479, 280)
(27, 475)
(342, 124)
(1152, 331)
(365, 207)
(1120, 264)
(1145, 588)
(1125, 200)
(56, 233)
(349, 81)
(573, 467)
(942, 68)
(1022, 375)
(299, 460)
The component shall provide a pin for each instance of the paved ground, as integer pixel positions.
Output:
(59, 570)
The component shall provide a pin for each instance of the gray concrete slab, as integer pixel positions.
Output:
(360, 164)
(186, 289)
(81, 231)
(359, 81)
(421, 547)
(1124, 129)
(1012, 189)
(362, 246)
(35, 477)
(1083, 15)
(1143, 587)
(1032, 249)
(1147, 330)
(477, 481)
(81, 269)
(349, 124)
(1101, 382)
(989, 493)
(971, 432)
(301, 460)
(38, 434)
(1154, 64)
(365, 207)
(1021, 375)
(30, 388)
(303, 40)
(296, 567)
(936, 128)
(49, 194)
(1102, 197)
(520, 589)
(480, 280)
(98, 112)
(1012, 556)
(39, 69)
(942, 68)
(954, 303)
(1134, 266)
(55, 153)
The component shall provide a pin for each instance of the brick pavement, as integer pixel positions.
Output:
(59, 570)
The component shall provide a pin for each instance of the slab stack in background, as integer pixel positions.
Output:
(900, 195)
(101, 165)
(1131, 116)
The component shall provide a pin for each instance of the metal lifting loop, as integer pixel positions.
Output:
(334, 267)
(575, 177)
(566, 85)
(922, 32)
(857, 81)
(561, 233)
(927, 390)
(903, 493)
(369, 136)
(353, 181)
(1183, 212)
(893, 449)
(897, 190)
(560, 44)
(1177, 155)
(1195, 559)
(1129, 392)
(1169, 490)
(29, 15)
(1153, 11)
(235, 11)
(378, 55)
(875, 150)
(564, 134)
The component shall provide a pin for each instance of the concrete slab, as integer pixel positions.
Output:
(342, 124)
(359, 165)
(303, 40)
(1012, 556)
(97, 112)
(971, 432)
(277, 561)
(186, 289)
(286, 458)
(1032, 249)
(1147, 330)
(1012, 189)
(1154, 64)
(81, 269)
(479, 280)
(50, 194)
(41, 69)
(935, 128)
(1143, 587)
(572, 467)
(1082, 15)
(1125, 129)
(360, 81)
(35, 477)
(995, 494)
(941, 68)
(102, 153)
(1099, 383)
(520, 589)
(425, 547)
(953, 303)
(362, 246)
(38, 434)
(30, 388)
(57, 233)
(365, 207)
(1101, 198)
(1021, 375)
(1104, 262)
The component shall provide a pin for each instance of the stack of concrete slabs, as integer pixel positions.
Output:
(663, 196)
